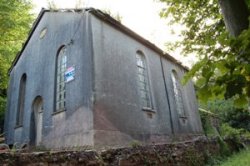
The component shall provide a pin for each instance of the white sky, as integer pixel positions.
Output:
(141, 16)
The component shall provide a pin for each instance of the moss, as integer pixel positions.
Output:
(135, 144)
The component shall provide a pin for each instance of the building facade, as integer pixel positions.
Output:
(82, 78)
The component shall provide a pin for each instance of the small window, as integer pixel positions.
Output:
(177, 93)
(43, 33)
(61, 65)
(143, 80)
(21, 100)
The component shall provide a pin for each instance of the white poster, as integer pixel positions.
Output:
(69, 74)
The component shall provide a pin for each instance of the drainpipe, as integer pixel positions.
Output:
(166, 90)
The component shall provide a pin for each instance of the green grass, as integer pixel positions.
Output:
(239, 159)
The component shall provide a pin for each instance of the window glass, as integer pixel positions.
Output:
(143, 80)
(60, 79)
(177, 93)
(21, 100)
(43, 33)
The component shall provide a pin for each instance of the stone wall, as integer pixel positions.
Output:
(196, 152)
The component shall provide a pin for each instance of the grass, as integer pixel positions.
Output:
(239, 159)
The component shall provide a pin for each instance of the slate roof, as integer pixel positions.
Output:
(106, 18)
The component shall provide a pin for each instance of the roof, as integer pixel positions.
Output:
(106, 18)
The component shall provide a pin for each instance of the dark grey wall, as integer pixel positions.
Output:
(190, 123)
(118, 114)
(73, 126)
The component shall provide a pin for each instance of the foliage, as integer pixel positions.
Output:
(228, 113)
(2, 108)
(233, 122)
(239, 159)
(223, 68)
(228, 131)
(208, 128)
(116, 16)
(51, 5)
(15, 22)
(239, 119)
(135, 144)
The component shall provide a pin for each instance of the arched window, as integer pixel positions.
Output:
(177, 93)
(143, 80)
(61, 62)
(21, 99)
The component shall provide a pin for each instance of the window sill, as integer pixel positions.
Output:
(183, 117)
(58, 112)
(18, 126)
(148, 109)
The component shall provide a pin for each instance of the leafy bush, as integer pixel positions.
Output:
(2, 110)
(238, 118)
(208, 128)
(225, 109)
(234, 122)
(239, 159)
(228, 131)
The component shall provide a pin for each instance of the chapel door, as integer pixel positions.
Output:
(38, 119)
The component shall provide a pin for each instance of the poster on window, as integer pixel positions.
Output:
(69, 74)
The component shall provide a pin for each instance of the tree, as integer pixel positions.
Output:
(235, 15)
(116, 16)
(15, 22)
(223, 69)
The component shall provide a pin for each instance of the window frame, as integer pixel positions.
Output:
(142, 75)
(60, 82)
(178, 94)
(21, 100)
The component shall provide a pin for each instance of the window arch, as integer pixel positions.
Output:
(177, 93)
(143, 80)
(61, 65)
(21, 100)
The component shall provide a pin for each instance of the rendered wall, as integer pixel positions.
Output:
(102, 102)
(73, 127)
(190, 123)
(118, 114)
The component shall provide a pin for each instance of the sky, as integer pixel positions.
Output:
(141, 16)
